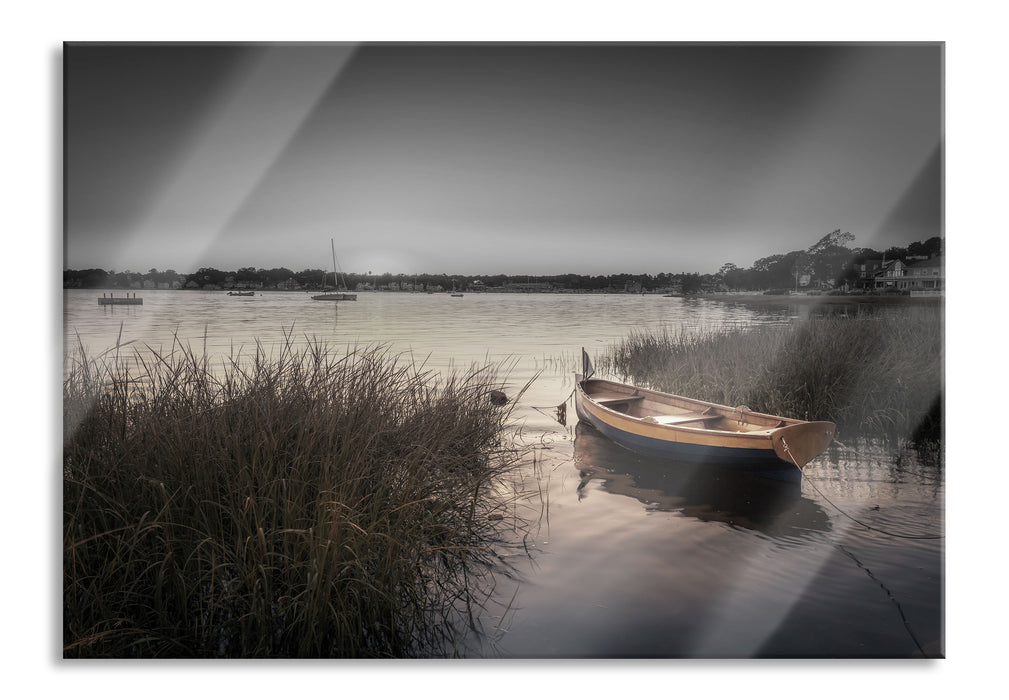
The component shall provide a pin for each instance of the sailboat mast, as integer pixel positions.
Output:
(332, 245)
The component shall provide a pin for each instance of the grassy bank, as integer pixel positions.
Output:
(876, 375)
(297, 505)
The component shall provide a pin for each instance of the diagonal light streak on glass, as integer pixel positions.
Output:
(232, 153)
(742, 623)
(727, 634)
(236, 147)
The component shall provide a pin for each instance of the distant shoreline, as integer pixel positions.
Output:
(821, 298)
(732, 297)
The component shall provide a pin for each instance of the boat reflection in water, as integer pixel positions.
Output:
(738, 498)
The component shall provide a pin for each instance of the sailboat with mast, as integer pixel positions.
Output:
(340, 285)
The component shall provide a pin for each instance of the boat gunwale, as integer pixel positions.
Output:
(761, 434)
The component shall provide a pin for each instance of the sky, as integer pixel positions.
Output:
(495, 158)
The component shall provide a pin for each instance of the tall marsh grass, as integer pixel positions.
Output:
(305, 504)
(877, 375)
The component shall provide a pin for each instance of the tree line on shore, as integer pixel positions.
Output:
(828, 263)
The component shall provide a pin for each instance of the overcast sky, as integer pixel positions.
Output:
(482, 159)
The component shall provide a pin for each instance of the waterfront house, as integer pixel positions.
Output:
(890, 276)
(922, 276)
(867, 271)
(927, 275)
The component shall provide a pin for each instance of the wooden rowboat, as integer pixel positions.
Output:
(675, 427)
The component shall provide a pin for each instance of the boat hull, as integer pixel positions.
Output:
(779, 453)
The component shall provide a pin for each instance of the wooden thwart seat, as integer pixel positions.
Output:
(679, 418)
(612, 400)
(768, 430)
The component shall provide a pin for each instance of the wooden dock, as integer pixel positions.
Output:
(111, 300)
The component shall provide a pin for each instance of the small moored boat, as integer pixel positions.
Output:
(335, 296)
(675, 427)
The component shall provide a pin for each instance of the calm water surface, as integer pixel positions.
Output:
(628, 557)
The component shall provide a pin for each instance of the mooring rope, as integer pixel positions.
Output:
(890, 595)
(560, 410)
(805, 476)
(866, 525)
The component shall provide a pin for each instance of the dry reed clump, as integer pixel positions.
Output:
(876, 375)
(305, 505)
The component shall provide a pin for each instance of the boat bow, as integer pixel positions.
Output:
(800, 443)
